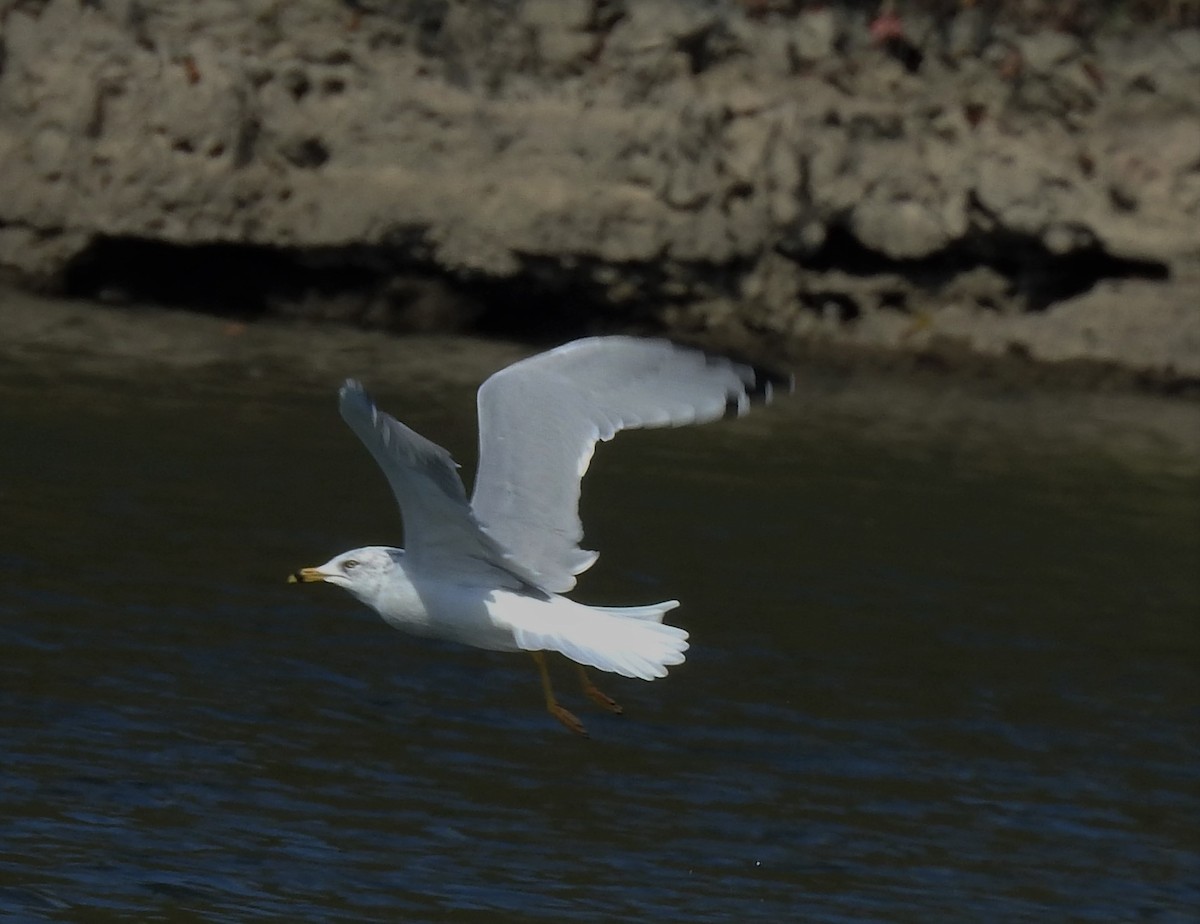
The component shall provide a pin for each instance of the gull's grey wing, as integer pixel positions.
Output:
(440, 531)
(539, 420)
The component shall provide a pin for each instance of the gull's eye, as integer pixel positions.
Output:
(349, 565)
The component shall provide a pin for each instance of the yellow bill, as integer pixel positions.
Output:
(306, 576)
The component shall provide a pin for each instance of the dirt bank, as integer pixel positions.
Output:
(775, 181)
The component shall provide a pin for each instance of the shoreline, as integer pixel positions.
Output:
(53, 342)
(118, 339)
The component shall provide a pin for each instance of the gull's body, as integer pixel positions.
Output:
(630, 641)
(492, 572)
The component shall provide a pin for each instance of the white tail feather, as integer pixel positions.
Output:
(630, 641)
(651, 611)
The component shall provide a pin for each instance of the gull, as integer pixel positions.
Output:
(493, 572)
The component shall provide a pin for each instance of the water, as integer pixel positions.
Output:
(944, 667)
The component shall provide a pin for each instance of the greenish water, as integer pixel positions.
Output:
(945, 666)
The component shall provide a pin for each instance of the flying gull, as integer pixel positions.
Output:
(492, 572)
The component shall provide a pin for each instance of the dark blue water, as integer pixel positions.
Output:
(945, 667)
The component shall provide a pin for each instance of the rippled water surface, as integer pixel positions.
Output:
(944, 667)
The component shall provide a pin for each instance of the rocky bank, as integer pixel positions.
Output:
(774, 180)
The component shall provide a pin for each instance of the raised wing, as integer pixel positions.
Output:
(440, 532)
(539, 420)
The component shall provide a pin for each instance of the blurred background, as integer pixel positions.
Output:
(943, 599)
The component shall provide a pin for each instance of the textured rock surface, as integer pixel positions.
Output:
(774, 178)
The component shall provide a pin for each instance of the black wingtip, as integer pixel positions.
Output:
(769, 382)
(766, 385)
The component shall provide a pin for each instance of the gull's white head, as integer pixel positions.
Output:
(363, 572)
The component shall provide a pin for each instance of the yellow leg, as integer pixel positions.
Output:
(563, 715)
(596, 695)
